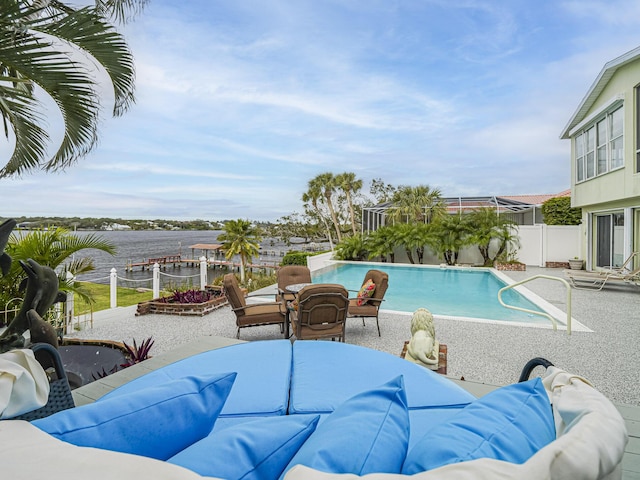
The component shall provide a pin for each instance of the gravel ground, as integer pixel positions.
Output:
(490, 353)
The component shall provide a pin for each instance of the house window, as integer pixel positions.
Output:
(599, 148)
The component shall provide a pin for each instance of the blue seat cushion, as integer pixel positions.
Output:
(368, 433)
(510, 423)
(155, 422)
(261, 387)
(251, 450)
(325, 374)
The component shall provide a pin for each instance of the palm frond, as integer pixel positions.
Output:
(54, 49)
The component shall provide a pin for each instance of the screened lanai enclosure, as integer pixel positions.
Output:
(520, 211)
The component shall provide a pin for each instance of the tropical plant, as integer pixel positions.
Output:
(137, 354)
(405, 237)
(490, 226)
(55, 248)
(190, 296)
(449, 235)
(315, 208)
(420, 204)
(381, 243)
(352, 248)
(558, 211)
(349, 184)
(242, 238)
(51, 49)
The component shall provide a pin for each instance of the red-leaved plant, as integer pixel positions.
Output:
(191, 296)
(137, 353)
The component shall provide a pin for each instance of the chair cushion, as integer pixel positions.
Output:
(326, 374)
(154, 422)
(510, 424)
(366, 292)
(255, 449)
(262, 384)
(368, 433)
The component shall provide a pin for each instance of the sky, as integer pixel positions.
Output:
(240, 103)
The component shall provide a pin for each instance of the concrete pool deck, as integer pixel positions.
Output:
(482, 352)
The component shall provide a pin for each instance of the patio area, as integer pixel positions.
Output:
(485, 355)
(480, 352)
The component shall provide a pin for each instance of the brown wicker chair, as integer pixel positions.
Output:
(251, 315)
(321, 312)
(371, 306)
(290, 275)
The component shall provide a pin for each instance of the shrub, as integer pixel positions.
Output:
(296, 258)
(558, 211)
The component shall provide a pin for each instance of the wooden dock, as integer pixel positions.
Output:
(92, 391)
(178, 261)
(164, 261)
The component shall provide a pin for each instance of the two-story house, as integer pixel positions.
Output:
(605, 162)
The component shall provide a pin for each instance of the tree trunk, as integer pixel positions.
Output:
(410, 256)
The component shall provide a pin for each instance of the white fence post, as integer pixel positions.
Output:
(203, 272)
(156, 280)
(113, 290)
(69, 307)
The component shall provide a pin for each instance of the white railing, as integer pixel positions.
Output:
(155, 278)
(534, 312)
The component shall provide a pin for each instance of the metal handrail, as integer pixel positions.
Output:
(543, 314)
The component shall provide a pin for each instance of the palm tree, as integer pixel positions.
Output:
(327, 184)
(55, 248)
(311, 198)
(348, 183)
(352, 248)
(381, 243)
(318, 195)
(42, 44)
(419, 204)
(241, 237)
(405, 237)
(489, 225)
(449, 235)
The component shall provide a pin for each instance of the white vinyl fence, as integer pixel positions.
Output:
(539, 245)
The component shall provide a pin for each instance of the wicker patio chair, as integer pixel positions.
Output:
(321, 312)
(369, 307)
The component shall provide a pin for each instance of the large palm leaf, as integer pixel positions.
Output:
(48, 48)
(55, 248)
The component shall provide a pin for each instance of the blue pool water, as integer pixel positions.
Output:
(444, 291)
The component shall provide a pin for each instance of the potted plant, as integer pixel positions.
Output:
(576, 263)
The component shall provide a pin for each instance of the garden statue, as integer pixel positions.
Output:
(41, 293)
(5, 230)
(423, 349)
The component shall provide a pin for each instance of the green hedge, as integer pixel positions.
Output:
(295, 258)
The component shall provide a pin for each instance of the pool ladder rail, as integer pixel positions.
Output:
(533, 312)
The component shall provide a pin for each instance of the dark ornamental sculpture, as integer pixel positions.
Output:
(41, 292)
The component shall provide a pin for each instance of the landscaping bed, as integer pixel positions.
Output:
(184, 303)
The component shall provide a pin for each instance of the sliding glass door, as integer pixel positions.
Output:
(610, 240)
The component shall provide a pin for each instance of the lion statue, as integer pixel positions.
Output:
(423, 349)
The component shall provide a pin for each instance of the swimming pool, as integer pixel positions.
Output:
(451, 292)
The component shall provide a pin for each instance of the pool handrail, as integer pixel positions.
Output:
(543, 314)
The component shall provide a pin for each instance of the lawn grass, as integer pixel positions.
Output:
(102, 297)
